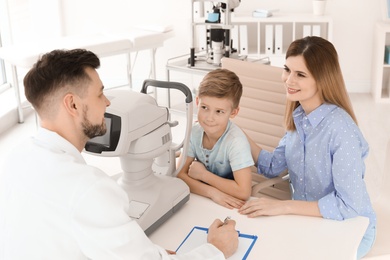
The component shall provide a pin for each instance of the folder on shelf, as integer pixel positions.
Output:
(207, 8)
(198, 9)
(198, 237)
(234, 38)
(201, 34)
(243, 39)
(278, 39)
(316, 30)
(306, 30)
(387, 54)
(269, 39)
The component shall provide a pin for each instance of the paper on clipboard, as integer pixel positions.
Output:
(198, 237)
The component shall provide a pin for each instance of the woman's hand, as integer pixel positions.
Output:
(273, 207)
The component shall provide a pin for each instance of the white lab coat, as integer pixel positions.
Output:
(55, 206)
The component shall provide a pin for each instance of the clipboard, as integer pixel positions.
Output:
(198, 236)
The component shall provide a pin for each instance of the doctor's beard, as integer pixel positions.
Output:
(91, 130)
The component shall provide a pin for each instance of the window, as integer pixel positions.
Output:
(3, 78)
(3, 23)
(14, 25)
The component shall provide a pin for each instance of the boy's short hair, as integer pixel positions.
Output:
(221, 83)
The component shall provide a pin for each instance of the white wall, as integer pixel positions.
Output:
(94, 16)
(353, 22)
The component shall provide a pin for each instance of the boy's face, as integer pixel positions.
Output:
(214, 114)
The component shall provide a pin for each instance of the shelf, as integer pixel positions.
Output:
(380, 70)
(262, 40)
(283, 17)
(260, 37)
(180, 64)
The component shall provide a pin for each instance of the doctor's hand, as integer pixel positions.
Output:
(170, 252)
(223, 236)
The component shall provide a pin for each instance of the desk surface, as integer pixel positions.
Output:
(286, 237)
(279, 237)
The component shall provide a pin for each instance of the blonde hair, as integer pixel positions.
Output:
(322, 62)
(221, 83)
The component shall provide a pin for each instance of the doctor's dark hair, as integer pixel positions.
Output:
(58, 71)
(321, 59)
(221, 83)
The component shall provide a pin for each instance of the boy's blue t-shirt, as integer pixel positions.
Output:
(231, 152)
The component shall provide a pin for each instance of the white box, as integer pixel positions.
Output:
(269, 39)
(243, 32)
(278, 39)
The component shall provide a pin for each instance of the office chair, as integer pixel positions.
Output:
(261, 116)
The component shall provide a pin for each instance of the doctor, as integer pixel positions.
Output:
(53, 205)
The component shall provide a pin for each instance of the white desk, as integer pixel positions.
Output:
(280, 237)
(104, 44)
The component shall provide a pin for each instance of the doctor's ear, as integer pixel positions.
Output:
(70, 103)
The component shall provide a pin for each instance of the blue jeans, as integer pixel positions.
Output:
(367, 242)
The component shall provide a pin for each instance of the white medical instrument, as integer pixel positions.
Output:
(218, 34)
(139, 133)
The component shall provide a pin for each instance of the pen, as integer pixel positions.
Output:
(226, 220)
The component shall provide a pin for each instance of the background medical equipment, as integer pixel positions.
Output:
(218, 26)
(139, 133)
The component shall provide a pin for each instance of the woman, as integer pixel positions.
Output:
(323, 148)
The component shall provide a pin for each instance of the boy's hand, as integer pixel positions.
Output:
(196, 170)
(226, 200)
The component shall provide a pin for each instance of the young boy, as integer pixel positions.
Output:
(219, 158)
